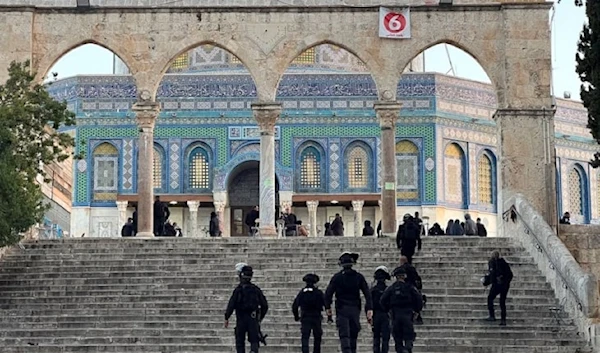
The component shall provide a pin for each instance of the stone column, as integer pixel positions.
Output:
(357, 206)
(312, 217)
(388, 113)
(122, 207)
(266, 114)
(193, 231)
(220, 211)
(145, 114)
(527, 159)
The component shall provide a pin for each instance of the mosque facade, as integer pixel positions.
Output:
(327, 146)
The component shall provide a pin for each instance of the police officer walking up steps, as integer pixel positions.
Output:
(250, 306)
(402, 300)
(347, 285)
(413, 278)
(311, 303)
(381, 319)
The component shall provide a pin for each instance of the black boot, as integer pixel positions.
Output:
(503, 322)
(491, 319)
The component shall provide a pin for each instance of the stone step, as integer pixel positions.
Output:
(51, 286)
(270, 292)
(168, 295)
(429, 280)
(87, 261)
(328, 348)
(293, 333)
(533, 310)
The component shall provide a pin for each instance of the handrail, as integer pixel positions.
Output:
(582, 284)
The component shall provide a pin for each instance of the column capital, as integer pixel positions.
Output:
(357, 205)
(387, 113)
(193, 205)
(146, 114)
(219, 206)
(379, 203)
(266, 114)
(312, 205)
(122, 205)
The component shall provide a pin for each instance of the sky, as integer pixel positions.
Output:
(566, 25)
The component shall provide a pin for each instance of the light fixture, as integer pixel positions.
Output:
(334, 201)
(173, 202)
(83, 3)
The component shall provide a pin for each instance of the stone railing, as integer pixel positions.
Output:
(576, 289)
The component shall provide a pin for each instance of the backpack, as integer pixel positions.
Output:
(401, 297)
(411, 231)
(376, 293)
(248, 300)
(311, 300)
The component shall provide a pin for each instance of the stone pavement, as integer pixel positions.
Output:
(169, 295)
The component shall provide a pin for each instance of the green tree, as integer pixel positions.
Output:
(29, 139)
(588, 68)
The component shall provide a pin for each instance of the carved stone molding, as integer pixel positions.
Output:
(146, 114)
(219, 206)
(266, 114)
(357, 205)
(312, 205)
(387, 113)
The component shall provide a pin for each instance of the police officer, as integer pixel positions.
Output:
(381, 319)
(311, 303)
(250, 306)
(408, 237)
(413, 278)
(402, 300)
(347, 285)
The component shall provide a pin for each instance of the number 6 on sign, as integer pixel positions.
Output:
(394, 24)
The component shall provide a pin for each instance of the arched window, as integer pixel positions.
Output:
(407, 164)
(454, 174)
(357, 167)
(485, 181)
(310, 168)
(106, 165)
(199, 169)
(157, 168)
(576, 199)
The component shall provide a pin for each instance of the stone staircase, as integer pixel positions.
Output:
(169, 295)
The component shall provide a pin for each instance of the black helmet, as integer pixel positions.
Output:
(399, 271)
(382, 272)
(246, 272)
(311, 278)
(348, 258)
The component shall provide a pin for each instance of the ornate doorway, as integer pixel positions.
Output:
(244, 195)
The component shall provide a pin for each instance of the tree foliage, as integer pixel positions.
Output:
(29, 139)
(588, 68)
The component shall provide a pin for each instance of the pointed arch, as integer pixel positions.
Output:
(199, 170)
(56, 54)
(455, 175)
(159, 168)
(310, 167)
(578, 194)
(486, 180)
(358, 159)
(408, 164)
(105, 173)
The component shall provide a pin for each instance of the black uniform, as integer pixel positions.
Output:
(381, 320)
(402, 300)
(347, 285)
(311, 303)
(413, 278)
(250, 307)
(408, 238)
(500, 275)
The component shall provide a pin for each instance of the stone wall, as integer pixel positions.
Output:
(583, 241)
